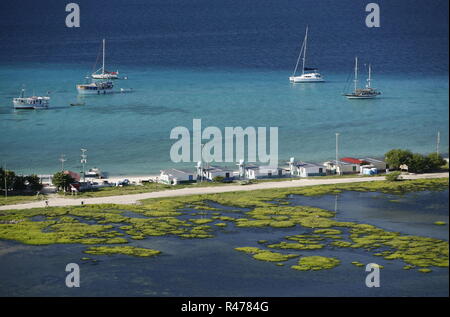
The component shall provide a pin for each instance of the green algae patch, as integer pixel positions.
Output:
(126, 250)
(268, 256)
(328, 231)
(273, 256)
(341, 244)
(221, 224)
(425, 270)
(440, 223)
(201, 221)
(282, 224)
(356, 263)
(408, 267)
(251, 250)
(316, 263)
(296, 246)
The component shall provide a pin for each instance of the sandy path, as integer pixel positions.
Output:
(134, 198)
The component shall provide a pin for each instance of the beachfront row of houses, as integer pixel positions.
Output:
(205, 172)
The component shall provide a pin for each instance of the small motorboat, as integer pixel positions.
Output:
(77, 104)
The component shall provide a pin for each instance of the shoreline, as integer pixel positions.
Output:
(135, 198)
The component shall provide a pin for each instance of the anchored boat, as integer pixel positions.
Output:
(102, 73)
(362, 93)
(33, 102)
(95, 88)
(309, 75)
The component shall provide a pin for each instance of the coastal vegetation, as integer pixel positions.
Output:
(62, 180)
(18, 188)
(416, 163)
(393, 176)
(111, 229)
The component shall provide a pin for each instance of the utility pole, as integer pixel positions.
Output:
(201, 162)
(438, 141)
(84, 161)
(337, 153)
(6, 184)
(62, 159)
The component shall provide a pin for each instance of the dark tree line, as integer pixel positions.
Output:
(13, 182)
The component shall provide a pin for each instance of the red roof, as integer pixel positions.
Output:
(74, 175)
(352, 160)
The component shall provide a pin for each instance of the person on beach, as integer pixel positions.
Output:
(46, 203)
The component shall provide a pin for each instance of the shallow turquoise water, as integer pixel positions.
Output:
(211, 267)
(129, 133)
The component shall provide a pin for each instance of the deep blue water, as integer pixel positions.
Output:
(226, 62)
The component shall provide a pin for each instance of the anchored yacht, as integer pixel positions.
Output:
(102, 73)
(309, 75)
(362, 93)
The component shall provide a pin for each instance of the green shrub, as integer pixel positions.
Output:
(396, 157)
(393, 176)
(218, 179)
(435, 161)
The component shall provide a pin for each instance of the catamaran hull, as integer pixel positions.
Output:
(305, 80)
(360, 97)
(104, 76)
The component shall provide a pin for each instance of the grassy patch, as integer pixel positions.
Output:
(127, 250)
(315, 263)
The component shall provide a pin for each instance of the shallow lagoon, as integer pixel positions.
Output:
(211, 267)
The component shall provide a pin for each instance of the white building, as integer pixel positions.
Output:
(209, 173)
(374, 163)
(173, 177)
(341, 167)
(304, 169)
(255, 172)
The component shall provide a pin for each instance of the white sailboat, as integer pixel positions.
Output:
(309, 75)
(362, 93)
(102, 73)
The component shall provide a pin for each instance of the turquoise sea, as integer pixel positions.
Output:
(129, 133)
(226, 63)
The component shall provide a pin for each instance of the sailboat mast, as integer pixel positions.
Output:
(103, 65)
(368, 79)
(304, 50)
(356, 73)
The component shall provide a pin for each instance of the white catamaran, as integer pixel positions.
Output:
(362, 93)
(309, 75)
(33, 102)
(102, 73)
